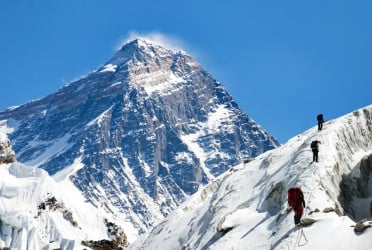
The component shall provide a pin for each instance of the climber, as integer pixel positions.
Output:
(315, 148)
(297, 202)
(320, 121)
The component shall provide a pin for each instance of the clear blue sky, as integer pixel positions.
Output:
(282, 61)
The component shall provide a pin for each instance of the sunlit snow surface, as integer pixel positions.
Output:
(108, 68)
(237, 200)
(24, 225)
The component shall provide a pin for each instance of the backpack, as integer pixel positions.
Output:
(313, 145)
(320, 117)
(295, 196)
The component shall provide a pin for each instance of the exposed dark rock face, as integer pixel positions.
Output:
(118, 239)
(51, 204)
(138, 135)
(276, 198)
(356, 191)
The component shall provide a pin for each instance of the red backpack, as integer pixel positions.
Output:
(295, 196)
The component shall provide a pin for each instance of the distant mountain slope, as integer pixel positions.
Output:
(138, 135)
(245, 208)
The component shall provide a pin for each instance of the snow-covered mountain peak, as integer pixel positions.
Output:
(146, 46)
(138, 135)
(152, 66)
(141, 50)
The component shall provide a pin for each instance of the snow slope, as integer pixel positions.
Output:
(38, 213)
(246, 208)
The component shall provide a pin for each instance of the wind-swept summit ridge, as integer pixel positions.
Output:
(151, 66)
(139, 50)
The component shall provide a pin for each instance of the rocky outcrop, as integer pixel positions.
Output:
(118, 239)
(363, 225)
(51, 204)
(307, 221)
(7, 154)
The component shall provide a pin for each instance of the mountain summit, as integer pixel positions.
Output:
(138, 135)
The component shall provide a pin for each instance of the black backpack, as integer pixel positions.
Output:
(320, 117)
(313, 144)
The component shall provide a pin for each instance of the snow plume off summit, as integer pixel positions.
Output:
(138, 135)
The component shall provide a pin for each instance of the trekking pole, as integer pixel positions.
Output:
(302, 234)
(297, 240)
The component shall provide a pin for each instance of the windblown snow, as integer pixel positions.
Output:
(246, 208)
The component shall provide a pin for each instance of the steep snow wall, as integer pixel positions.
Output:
(38, 213)
(356, 185)
(246, 207)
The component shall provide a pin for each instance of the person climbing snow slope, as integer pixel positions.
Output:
(320, 121)
(315, 148)
(297, 202)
